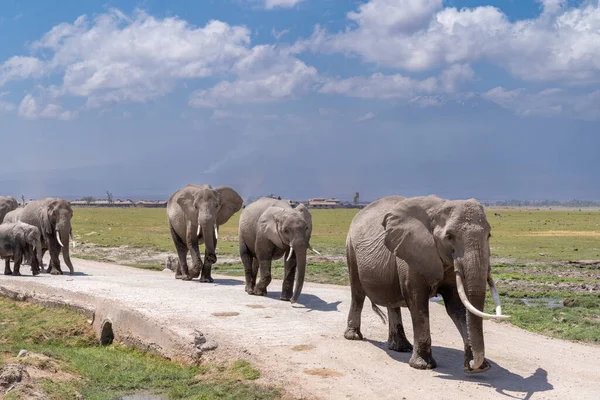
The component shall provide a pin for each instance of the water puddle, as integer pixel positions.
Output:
(549, 302)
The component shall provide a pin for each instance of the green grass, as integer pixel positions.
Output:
(68, 347)
(570, 235)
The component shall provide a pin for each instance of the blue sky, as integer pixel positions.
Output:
(304, 98)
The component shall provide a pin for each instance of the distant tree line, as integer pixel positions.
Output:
(544, 203)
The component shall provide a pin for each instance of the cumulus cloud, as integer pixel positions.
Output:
(366, 117)
(561, 44)
(264, 75)
(30, 109)
(271, 4)
(548, 102)
(5, 106)
(116, 58)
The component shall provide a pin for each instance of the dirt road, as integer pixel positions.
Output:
(302, 348)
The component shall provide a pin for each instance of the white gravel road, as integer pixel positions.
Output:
(302, 348)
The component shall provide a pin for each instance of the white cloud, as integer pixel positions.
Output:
(279, 34)
(271, 4)
(6, 106)
(19, 68)
(264, 75)
(366, 117)
(548, 102)
(30, 109)
(455, 76)
(562, 44)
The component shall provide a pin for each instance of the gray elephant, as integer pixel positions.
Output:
(7, 204)
(52, 216)
(18, 241)
(270, 229)
(403, 251)
(13, 216)
(195, 214)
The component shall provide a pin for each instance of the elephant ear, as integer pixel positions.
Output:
(186, 202)
(307, 217)
(408, 234)
(47, 213)
(231, 202)
(269, 225)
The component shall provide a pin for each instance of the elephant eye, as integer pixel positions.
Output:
(449, 236)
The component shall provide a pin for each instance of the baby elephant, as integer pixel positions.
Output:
(19, 240)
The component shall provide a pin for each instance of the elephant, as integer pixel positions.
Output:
(7, 204)
(195, 213)
(19, 240)
(52, 216)
(13, 216)
(403, 251)
(268, 230)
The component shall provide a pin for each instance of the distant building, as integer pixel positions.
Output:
(319, 202)
(103, 203)
(151, 204)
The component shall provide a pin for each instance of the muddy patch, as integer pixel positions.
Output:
(303, 347)
(254, 306)
(324, 372)
(225, 314)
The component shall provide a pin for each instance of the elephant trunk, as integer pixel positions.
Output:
(300, 270)
(64, 234)
(209, 233)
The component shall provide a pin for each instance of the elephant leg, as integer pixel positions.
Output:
(7, 270)
(397, 340)
(182, 271)
(247, 261)
(265, 277)
(207, 266)
(287, 289)
(35, 266)
(255, 268)
(418, 304)
(17, 259)
(456, 310)
(357, 299)
(54, 267)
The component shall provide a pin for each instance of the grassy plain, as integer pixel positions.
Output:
(517, 235)
(64, 361)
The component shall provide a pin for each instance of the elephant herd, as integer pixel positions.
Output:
(400, 253)
(27, 232)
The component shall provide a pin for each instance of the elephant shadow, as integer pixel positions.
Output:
(310, 301)
(226, 282)
(450, 367)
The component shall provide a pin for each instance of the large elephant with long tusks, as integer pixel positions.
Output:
(195, 214)
(403, 251)
(271, 229)
(52, 216)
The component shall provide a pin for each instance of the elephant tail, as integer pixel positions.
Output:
(379, 313)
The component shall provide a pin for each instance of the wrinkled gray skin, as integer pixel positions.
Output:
(17, 241)
(14, 215)
(401, 252)
(52, 216)
(7, 204)
(269, 228)
(194, 213)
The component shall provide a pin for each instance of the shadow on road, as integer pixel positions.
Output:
(310, 301)
(450, 367)
(227, 282)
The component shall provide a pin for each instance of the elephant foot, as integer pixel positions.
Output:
(418, 362)
(8, 273)
(259, 292)
(249, 289)
(285, 298)
(56, 272)
(16, 273)
(484, 367)
(353, 334)
(402, 346)
(207, 279)
(35, 272)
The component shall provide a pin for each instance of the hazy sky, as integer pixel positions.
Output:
(301, 98)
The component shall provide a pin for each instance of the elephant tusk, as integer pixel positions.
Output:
(469, 306)
(290, 255)
(313, 250)
(198, 231)
(495, 296)
(216, 233)
(58, 238)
